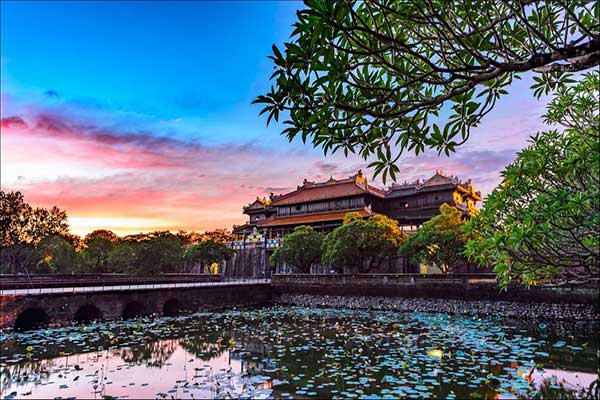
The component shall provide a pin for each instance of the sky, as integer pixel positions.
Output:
(137, 116)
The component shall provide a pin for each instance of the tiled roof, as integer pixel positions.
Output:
(320, 192)
(310, 218)
(333, 188)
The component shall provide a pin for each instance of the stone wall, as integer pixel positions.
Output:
(63, 308)
(455, 286)
(248, 263)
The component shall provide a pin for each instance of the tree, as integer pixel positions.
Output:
(57, 255)
(206, 253)
(300, 249)
(542, 222)
(96, 253)
(123, 257)
(18, 258)
(160, 254)
(363, 244)
(373, 76)
(218, 235)
(22, 224)
(104, 234)
(440, 241)
(98, 245)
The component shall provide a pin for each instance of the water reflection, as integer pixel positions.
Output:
(296, 352)
(154, 354)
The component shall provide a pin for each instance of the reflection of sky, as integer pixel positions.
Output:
(179, 367)
(311, 349)
(138, 115)
(572, 380)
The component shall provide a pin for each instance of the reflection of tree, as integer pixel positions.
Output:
(24, 372)
(153, 354)
(202, 350)
(551, 389)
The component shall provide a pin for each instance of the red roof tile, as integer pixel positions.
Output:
(331, 189)
(305, 219)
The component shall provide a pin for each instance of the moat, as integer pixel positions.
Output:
(296, 352)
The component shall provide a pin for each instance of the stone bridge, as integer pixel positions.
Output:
(30, 308)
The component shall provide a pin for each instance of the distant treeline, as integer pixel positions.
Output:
(37, 240)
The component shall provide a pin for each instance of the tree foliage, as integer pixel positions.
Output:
(542, 222)
(362, 245)
(372, 76)
(206, 253)
(22, 224)
(300, 249)
(440, 241)
(57, 255)
(95, 254)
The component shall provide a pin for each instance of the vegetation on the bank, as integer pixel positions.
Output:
(300, 249)
(362, 244)
(374, 76)
(440, 241)
(543, 221)
(359, 245)
(206, 253)
(37, 240)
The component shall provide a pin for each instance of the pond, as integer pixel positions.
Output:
(295, 352)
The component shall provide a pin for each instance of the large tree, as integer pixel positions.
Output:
(440, 241)
(57, 255)
(373, 76)
(21, 223)
(206, 253)
(98, 246)
(362, 245)
(300, 249)
(542, 222)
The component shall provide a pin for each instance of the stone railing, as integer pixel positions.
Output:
(385, 279)
(80, 280)
(450, 286)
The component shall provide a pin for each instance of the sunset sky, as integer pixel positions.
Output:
(137, 116)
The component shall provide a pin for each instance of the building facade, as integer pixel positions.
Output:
(323, 205)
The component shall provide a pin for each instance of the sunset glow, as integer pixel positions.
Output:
(172, 141)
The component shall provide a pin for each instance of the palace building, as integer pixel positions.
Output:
(323, 206)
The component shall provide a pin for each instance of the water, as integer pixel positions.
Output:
(302, 353)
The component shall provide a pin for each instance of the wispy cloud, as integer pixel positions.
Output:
(131, 180)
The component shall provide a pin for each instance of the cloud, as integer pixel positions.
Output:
(94, 172)
(326, 167)
(51, 94)
(126, 178)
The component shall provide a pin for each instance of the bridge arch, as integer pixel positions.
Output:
(133, 309)
(31, 318)
(88, 313)
(172, 307)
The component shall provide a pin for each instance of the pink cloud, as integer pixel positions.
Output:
(98, 173)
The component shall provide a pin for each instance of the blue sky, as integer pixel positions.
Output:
(137, 115)
(201, 62)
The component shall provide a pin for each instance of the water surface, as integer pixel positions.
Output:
(303, 353)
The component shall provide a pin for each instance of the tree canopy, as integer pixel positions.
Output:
(374, 76)
(300, 249)
(21, 223)
(542, 222)
(362, 245)
(440, 241)
(206, 253)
